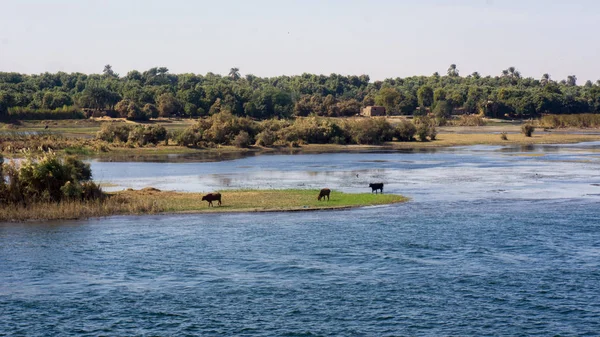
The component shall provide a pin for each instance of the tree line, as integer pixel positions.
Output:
(158, 93)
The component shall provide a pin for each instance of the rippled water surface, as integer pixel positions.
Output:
(496, 241)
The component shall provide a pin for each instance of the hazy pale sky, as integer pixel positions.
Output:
(381, 38)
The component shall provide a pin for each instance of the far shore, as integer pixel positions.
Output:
(153, 201)
(78, 140)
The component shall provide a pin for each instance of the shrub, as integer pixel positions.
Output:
(143, 135)
(405, 131)
(371, 131)
(432, 132)
(190, 137)
(422, 132)
(114, 132)
(503, 136)
(527, 130)
(266, 138)
(242, 140)
(150, 110)
(48, 178)
(312, 130)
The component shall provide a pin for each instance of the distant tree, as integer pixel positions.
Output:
(162, 71)
(588, 84)
(168, 105)
(571, 80)
(108, 71)
(545, 79)
(425, 96)
(134, 75)
(150, 110)
(476, 75)
(453, 71)
(388, 98)
(234, 74)
(443, 109)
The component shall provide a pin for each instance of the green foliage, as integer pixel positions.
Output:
(154, 92)
(142, 135)
(405, 131)
(425, 96)
(425, 127)
(371, 131)
(443, 109)
(114, 132)
(46, 179)
(25, 113)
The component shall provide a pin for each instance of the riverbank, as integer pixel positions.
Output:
(77, 138)
(86, 148)
(153, 201)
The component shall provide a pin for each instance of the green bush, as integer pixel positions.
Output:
(266, 138)
(405, 131)
(422, 132)
(114, 132)
(48, 178)
(142, 135)
(371, 131)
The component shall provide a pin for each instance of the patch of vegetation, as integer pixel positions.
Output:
(153, 201)
(570, 121)
(47, 179)
(527, 130)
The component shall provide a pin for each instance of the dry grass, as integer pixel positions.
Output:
(451, 139)
(150, 201)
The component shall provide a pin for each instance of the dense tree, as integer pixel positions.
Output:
(425, 96)
(156, 91)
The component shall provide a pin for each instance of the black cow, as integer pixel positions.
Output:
(210, 197)
(375, 187)
(324, 193)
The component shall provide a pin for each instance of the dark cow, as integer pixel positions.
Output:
(375, 187)
(210, 197)
(324, 193)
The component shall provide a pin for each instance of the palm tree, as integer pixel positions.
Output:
(476, 75)
(234, 73)
(452, 71)
(572, 80)
(108, 70)
(545, 79)
(505, 73)
(162, 70)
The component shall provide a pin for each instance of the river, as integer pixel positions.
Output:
(495, 241)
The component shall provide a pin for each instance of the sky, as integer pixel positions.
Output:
(380, 38)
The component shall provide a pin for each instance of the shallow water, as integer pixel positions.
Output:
(496, 241)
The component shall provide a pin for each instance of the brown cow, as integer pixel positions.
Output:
(210, 197)
(324, 193)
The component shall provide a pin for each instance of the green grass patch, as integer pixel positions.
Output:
(153, 201)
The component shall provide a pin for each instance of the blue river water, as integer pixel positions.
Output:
(495, 241)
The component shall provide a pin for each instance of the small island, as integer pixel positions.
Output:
(153, 201)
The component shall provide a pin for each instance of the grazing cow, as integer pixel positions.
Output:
(324, 193)
(210, 197)
(375, 187)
